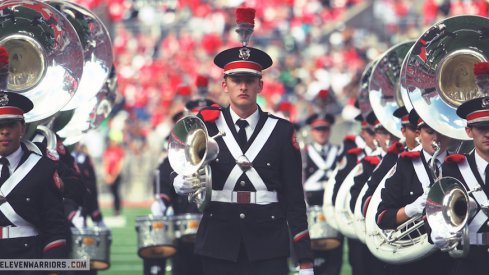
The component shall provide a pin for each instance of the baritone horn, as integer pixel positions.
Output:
(190, 149)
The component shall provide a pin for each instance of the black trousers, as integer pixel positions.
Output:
(328, 262)
(185, 261)
(115, 190)
(275, 266)
(154, 266)
(476, 263)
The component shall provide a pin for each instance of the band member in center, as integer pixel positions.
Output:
(318, 166)
(257, 196)
(405, 192)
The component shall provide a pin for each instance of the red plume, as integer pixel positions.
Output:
(201, 81)
(355, 151)
(350, 138)
(210, 114)
(324, 93)
(396, 148)
(373, 160)
(411, 155)
(3, 56)
(481, 68)
(245, 15)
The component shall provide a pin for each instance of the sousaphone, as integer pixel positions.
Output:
(45, 54)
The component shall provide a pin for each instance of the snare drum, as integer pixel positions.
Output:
(323, 236)
(92, 243)
(187, 226)
(156, 237)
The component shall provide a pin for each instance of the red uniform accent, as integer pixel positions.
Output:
(396, 148)
(355, 151)
(210, 115)
(373, 160)
(323, 93)
(365, 206)
(350, 137)
(477, 115)
(411, 155)
(245, 15)
(455, 158)
(381, 216)
(201, 81)
(242, 65)
(295, 143)
(11, 111)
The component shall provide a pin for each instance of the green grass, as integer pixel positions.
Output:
(124, 258)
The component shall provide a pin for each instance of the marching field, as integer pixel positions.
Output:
(124, 258)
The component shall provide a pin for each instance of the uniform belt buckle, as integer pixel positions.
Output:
(243, 197)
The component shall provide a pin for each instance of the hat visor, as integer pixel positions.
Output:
(481, 124)
(4, 120)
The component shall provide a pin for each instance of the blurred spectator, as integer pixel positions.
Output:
(113, 163)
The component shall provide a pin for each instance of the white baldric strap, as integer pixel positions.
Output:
(227, 194)
(312, 183)
(10, 184)
(421, 173)
(480, 196)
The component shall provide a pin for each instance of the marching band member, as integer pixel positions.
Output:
(405, 192)
(32, 222)
(319, 163)
(389, 160)
(256, 201)
(472, 170)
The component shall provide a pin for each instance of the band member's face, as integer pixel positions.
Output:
(369, 139)
(427, 136)
(480, 135)
(410, 135)
(242, 90)
(10, 134)
(321, 134)
(383, 139)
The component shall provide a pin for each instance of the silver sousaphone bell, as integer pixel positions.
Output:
(46, 58)
(190, 149)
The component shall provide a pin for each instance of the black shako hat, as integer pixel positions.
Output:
(243, 60)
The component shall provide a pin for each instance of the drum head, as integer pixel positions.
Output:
(99, 265)
(325, 244)
(157, 252)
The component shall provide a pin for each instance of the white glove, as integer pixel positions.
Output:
(417, 206)
(186, 184)
(78, 221)
(100, 224)
(306, 271)
(158, 208)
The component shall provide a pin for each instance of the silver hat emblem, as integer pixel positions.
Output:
(244, 53)
(485, 102)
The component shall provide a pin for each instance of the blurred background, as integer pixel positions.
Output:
(162, 46)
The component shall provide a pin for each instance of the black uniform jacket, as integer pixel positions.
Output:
(37, 199)
(369, 164)
(263, 230)
(401, 189)
(316, 197)
(388, 161)
(180, 204)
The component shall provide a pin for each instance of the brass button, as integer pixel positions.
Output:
(28, 199)
(242, 215)
(243, 183)
(273, 217)
(217, 160)
(268, 164)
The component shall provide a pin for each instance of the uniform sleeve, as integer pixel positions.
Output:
(377, 176)
(391, 198)
(294, 202)
(54, 227)
(358, 182)
(341, 175)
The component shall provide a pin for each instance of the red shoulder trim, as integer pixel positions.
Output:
(411, 155)
(455, 158)
(211, 114)
(350, 138)
(354, 151)
(396, 148)
(373, 160)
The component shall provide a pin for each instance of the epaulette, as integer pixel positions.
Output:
(355, 151)
(411, 155)
(350, 138)
(211, 113)
(455, 158)
(373, 160)
(396, 148)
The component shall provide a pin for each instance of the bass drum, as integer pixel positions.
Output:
(92, 243)
(387, 244)
(156, 237)
(344, 216)
(358, 218)
(328, 207)
(323, 236)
